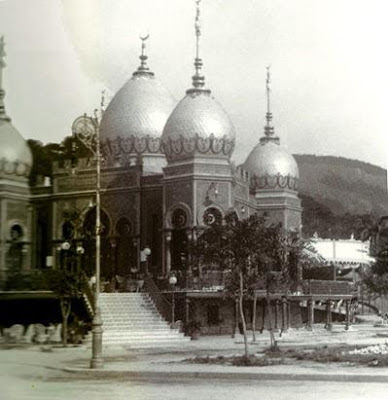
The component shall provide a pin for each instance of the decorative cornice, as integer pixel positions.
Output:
(177, 149)
(17, 168)
(182, 147)
(131, 145)
(273, 182)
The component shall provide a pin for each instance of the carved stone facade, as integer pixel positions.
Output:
(15, 226)
(162, 211)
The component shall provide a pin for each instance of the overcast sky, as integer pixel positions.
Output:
(328, 58)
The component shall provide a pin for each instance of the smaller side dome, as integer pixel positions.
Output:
(271, 166)
(198, 126)
(15, 154)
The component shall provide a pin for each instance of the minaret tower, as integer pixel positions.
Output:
(274, 175)
(198, 141)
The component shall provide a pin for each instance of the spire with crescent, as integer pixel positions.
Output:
(269, 130)
(143, 68)
(3, 115)
(198, 78)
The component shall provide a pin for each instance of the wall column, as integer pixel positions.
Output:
(284, 315)
(310, 314)
(168, 252)
(187, 310)
(347, 322)
(288, 314)
(276, 325)
(329, 325)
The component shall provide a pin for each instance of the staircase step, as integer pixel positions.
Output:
(132, 319)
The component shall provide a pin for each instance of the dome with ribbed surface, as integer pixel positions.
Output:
(198, 125)
(270, 165)
(139, 109)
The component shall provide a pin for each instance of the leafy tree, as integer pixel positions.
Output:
(255, 254)
(44, 155)
(67, 284)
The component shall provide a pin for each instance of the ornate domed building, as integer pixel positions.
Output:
(158, 173)
(166, 172)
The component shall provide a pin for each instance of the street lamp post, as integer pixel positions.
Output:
(172, 281)
(86, 129)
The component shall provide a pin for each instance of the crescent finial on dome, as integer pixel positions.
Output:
(3, 115)
(143, 68)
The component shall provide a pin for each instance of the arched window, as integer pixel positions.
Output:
(89, 225)
(125, 251)
(179, 218)
(15, 251)
(212, 216)
(16, 232)
(89, 242)
(67, 230)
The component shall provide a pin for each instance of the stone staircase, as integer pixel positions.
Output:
(131, 319)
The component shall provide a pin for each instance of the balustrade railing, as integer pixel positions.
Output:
(88, 294)
(160, 301)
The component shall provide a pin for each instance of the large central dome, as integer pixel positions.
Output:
(198, 126)
(198, 114)
(132, 125)
(139, 109)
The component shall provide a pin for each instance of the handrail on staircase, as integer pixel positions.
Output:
(88, 294)
(161, 303)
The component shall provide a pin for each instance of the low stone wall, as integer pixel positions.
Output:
(206, 311)
(327, 287)
(33, 333)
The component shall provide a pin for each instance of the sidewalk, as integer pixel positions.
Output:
(166, 364)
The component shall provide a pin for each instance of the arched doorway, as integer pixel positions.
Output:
(89, 244)
(15, 251)
(125, 250)
(179, 245)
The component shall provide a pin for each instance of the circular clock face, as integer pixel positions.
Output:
(179, 218)
(212, 216)
(83, 127)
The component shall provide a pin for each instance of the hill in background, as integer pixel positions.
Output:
(339, 195)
